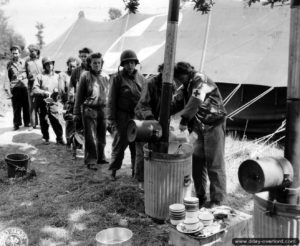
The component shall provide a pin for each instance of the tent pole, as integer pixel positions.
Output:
(292, 143)
(169, 58)
(205, 41)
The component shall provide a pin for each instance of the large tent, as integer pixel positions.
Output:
(244, 49)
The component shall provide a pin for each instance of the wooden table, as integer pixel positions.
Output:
(238, 226)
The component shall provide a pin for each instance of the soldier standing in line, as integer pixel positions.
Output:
(204, 114)
(75, 76)
(18, 88)
(124, 93)
(33, 67)
(46, 90)
(91, 98)
(64, 85)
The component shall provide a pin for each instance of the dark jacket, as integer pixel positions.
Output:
(75, 76)
(196, 111)
(148, 107)
(91, 91)
(124, 93)
(17, 74)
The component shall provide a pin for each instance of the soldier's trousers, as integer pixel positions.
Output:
(33, 107)
(120, 142)
(20, 103)
(50, 114)
(94, 124)
(139, 161)
(208, 160)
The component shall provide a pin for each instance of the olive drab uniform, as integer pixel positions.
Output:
(205, 115)
(43, 84)
(124, 93)
(91, 97)
(18, 87)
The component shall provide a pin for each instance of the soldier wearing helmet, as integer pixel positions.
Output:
(124, 93)
(34, 67)
(46, 86)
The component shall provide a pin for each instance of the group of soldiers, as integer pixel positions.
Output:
(95, 102)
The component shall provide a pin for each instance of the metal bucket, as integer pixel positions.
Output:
(16, 165)
(143, 131)
(274, 219)
(167, 178)
(116, 236)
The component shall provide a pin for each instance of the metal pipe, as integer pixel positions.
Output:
(169, 57)
(292, 144)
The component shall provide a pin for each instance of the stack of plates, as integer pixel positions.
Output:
(191, 206)
(176, 213)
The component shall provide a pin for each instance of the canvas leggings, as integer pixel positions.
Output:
(208, 162)
(94, 124)
(20, 103)
(120, 142)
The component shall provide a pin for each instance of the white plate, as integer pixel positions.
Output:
(181, 228)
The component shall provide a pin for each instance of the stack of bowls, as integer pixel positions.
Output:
(191, 206)
(207, 218)
(176, 213)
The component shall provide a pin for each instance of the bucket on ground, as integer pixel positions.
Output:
(167, 177)
(114, 236)
(17, 165)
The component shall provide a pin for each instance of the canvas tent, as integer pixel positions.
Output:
(243, 46)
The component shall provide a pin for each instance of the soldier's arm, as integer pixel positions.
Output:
(37, 90)
(112, 99)
(143, 110)
(80, 94)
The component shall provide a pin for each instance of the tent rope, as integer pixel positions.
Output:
(240, 109)
(231, 94)
(244, 146)
(266, 138)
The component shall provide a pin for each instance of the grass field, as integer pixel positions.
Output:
(66, 204)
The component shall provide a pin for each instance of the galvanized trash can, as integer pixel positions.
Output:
(167, 177)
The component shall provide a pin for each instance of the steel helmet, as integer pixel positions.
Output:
(128, 55)
(46, 60)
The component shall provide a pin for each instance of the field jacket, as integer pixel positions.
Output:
(91, 91)
(17, 74)
(198, 112)
(124, 93)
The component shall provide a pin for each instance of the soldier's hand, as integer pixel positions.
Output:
(46, 94)
(111, 127)
(76, 118)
